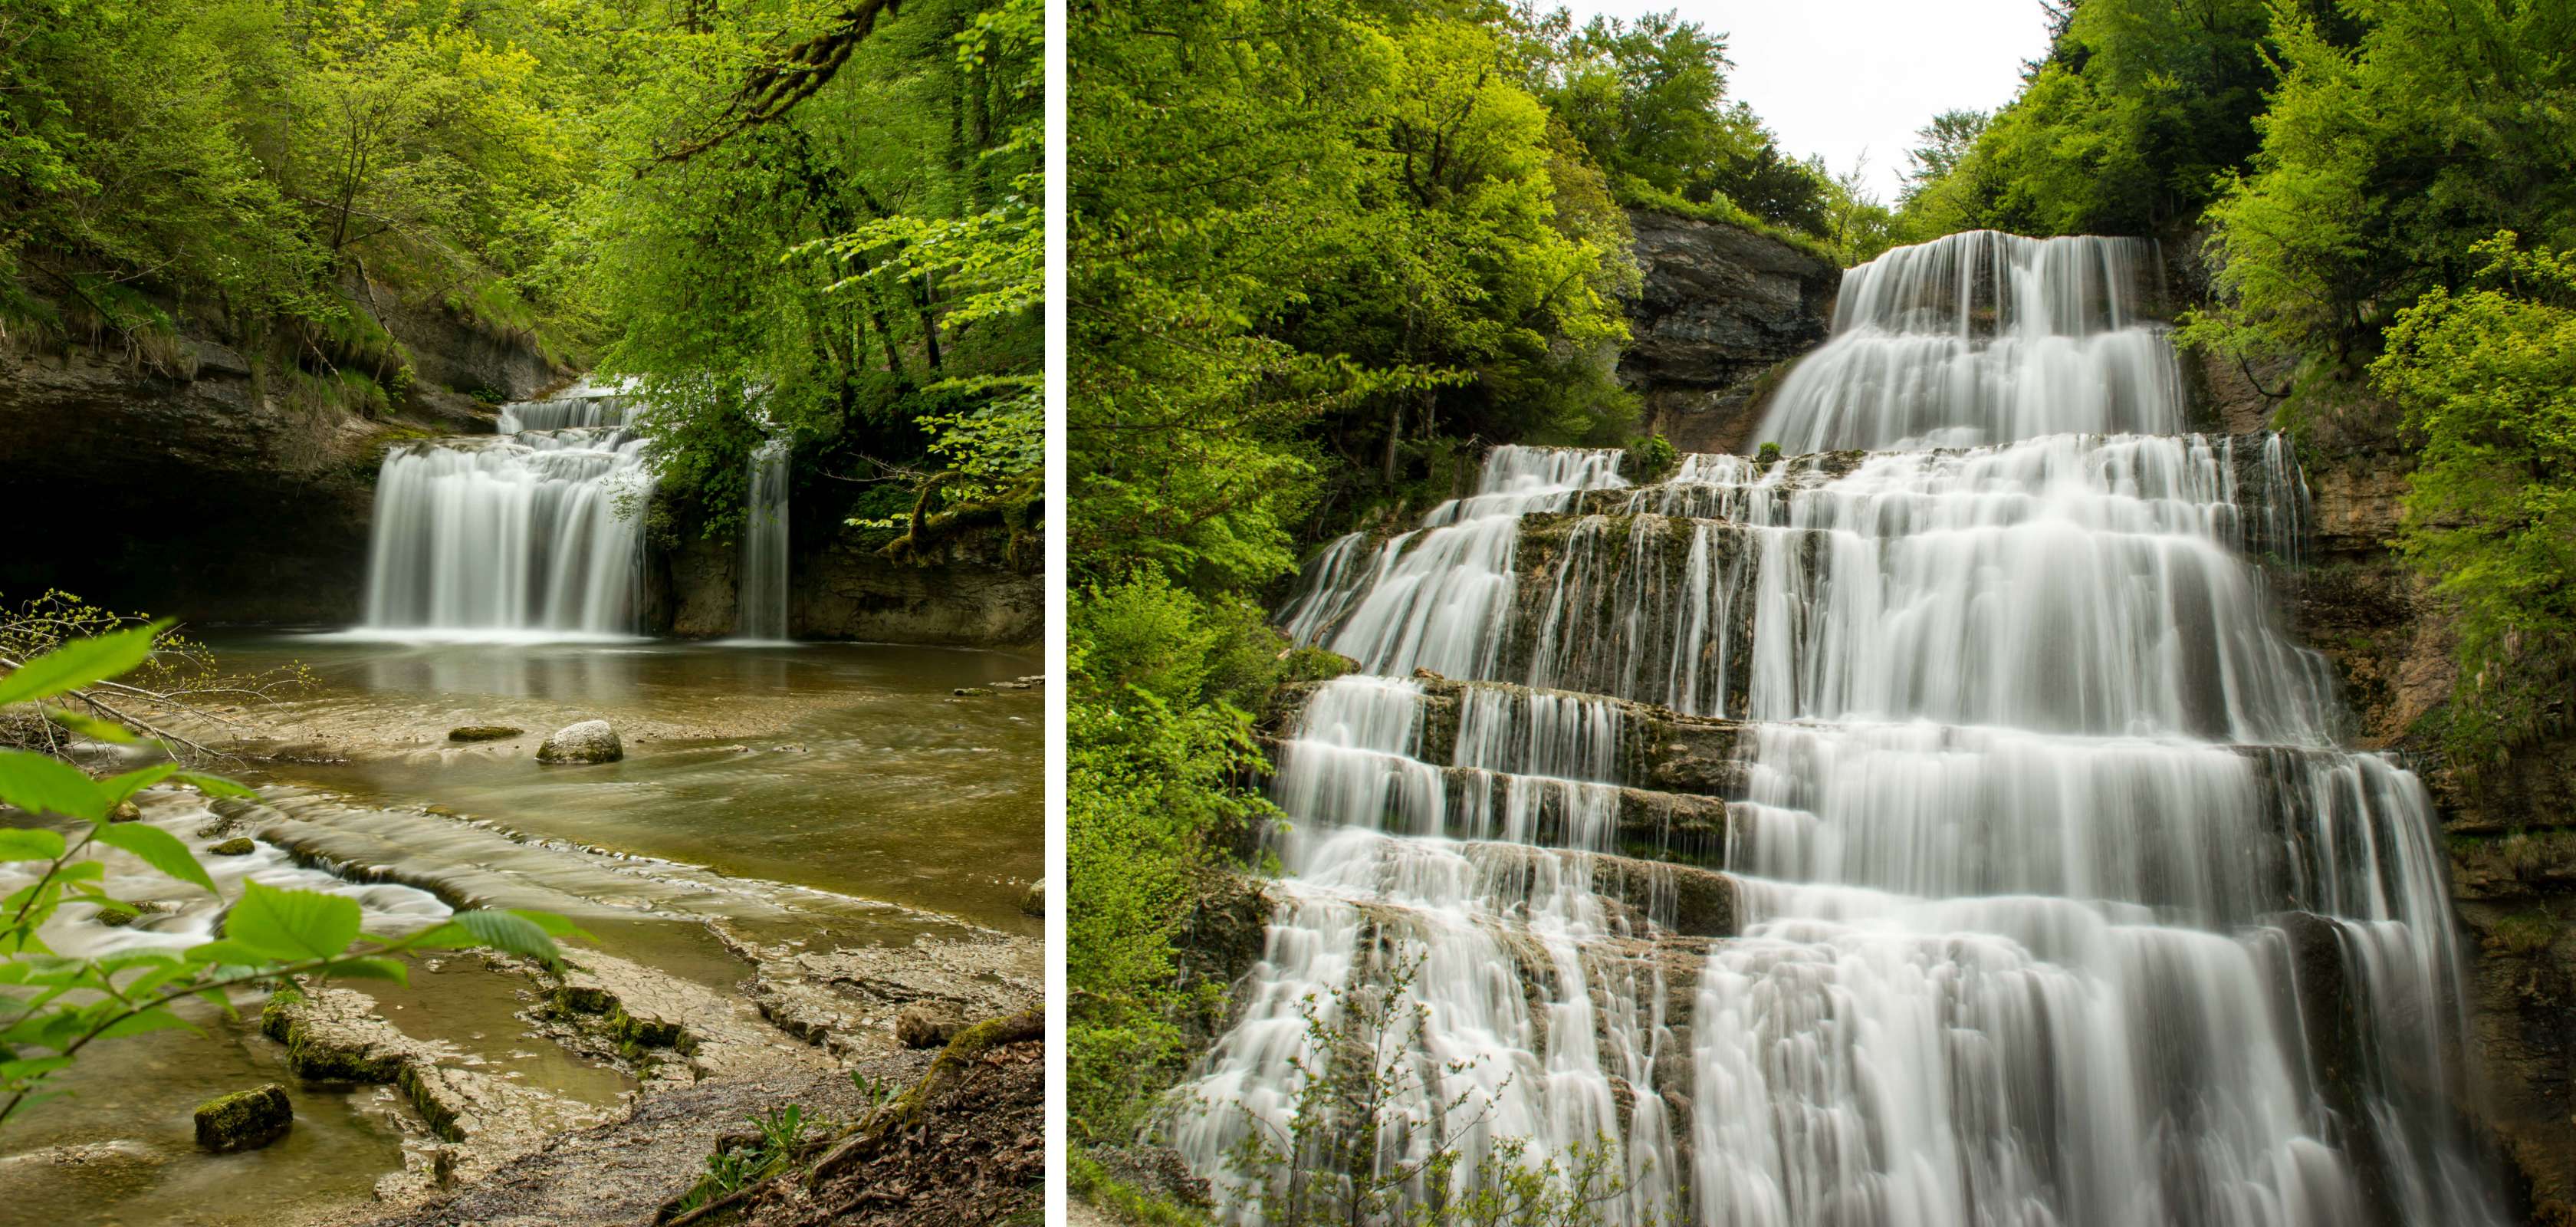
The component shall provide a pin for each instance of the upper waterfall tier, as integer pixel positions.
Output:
(1833, 587)
(538, 531)
(1985, 338)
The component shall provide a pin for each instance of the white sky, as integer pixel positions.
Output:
(1838, 77)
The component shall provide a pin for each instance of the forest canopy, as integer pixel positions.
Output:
(852, 261)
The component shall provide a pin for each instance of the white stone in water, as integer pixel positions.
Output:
(591, 741)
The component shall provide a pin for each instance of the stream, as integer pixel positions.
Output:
(807, 796)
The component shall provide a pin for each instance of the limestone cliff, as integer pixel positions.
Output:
(972, 594)
(1721, 311)
(209, 482)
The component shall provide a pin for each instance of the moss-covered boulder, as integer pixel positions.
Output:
(126, 811)
(244, 1120)
(483, 732)
(238, 845)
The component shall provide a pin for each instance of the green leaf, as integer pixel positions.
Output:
(214, 785)
(17, 844)
(91, 727)
(80, 663)
(293, 925)
(159, 849)
(155, 1019)
(42, 785)
(511, 932)
(370, 969)
(119, 787)
(224, 953)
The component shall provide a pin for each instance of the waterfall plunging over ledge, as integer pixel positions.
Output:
(534, 533)
(1939, 835)
(761, 590)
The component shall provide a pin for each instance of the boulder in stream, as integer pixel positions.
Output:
(485, 732)
(238, 845)
(244, 1120)
(126, 811)
(591, 741)
(1033, 900)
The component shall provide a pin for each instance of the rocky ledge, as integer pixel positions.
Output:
(1721, 312)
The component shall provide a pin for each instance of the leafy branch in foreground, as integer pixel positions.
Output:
(178, 679)
(1374, 1138)
(54, 1006)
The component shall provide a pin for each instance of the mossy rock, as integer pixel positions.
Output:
(119, 913)
(319, 1062)
(483, 732)
(1314, 665)
(126, 811)
(583, 999)
(970, 692)
(244, 1120)
(238, 845)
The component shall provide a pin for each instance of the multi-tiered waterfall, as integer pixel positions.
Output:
(536, 530)
(1936, 834)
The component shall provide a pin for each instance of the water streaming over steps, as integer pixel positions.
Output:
(531, 532)
(2049, 895)
(762, 590)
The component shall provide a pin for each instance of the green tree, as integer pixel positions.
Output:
(2487, 378)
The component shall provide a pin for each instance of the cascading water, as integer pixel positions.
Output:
(531, 532)
(761, 592)
(2047, 897)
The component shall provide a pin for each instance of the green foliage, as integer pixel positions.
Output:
(2487, 378)
(1157, 739)
(1650, 459)
(2124, 128)
(1767, 455)
(53, 1006)
(258, 165)
(859, 273)
(2385, 160)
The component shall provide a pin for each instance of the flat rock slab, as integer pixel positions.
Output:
(849, 1001)
(478, 1120)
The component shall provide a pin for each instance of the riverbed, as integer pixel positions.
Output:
(810, 796)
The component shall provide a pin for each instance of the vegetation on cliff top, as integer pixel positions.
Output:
(832, 209)
(2384, 192)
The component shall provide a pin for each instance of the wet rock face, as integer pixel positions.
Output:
(1720, 307)
(483, 732)
(2510, 832)
(971, 594)
(244, 1120)
(211, 494)
(591, 741)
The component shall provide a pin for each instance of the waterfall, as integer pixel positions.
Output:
(761, 591)
(1938, 834)
(530, 532)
